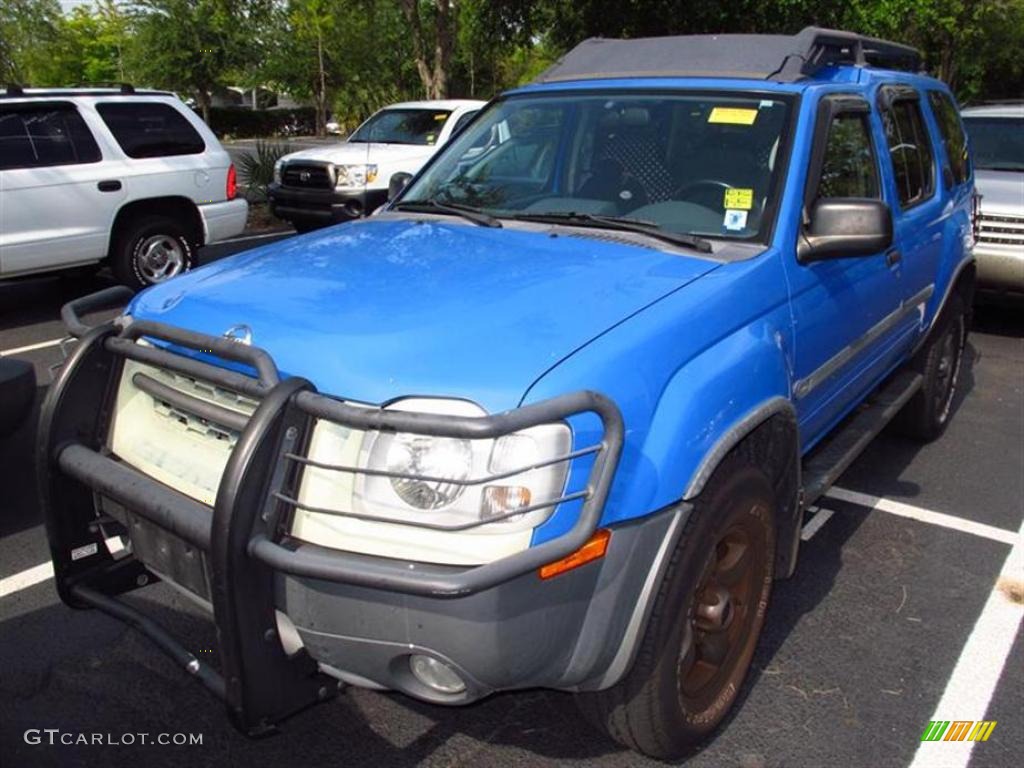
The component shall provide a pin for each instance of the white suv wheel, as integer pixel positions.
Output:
(159, 257)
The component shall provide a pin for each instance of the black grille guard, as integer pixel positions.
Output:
(243, 536)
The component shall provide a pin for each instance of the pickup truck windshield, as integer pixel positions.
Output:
(402, 126)
(687, 163)
(997, 142)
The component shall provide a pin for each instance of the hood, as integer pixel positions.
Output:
(345, 153)
(1002, 192)
(391, 307)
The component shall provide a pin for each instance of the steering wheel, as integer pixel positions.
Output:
(708, 184)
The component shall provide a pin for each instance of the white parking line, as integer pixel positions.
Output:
(40, 573)
(977, 672)
(924, 515)
(19, 581)
(814, 525)
(31, 347)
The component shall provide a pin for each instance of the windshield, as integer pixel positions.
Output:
(997, 143)
(403, 126)
(689, 163)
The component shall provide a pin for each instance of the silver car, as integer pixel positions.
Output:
(996, 134)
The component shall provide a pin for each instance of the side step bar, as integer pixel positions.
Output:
(836, 453)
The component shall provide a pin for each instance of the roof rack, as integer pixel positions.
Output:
(14, 90)
(783, 58)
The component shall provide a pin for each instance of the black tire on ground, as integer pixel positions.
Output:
(151, 249)
(927, 414)
(705, 623)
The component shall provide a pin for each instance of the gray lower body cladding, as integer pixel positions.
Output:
(567, 632)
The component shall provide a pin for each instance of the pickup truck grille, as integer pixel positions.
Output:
(1002, 230)
(308, 175)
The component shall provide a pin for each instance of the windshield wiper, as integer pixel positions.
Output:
(622, 223)
(467, 212)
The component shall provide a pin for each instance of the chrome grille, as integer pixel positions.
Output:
(308, 175)
(1002, 230)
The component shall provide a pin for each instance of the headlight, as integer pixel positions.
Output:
(433, 487)
(355, 175)
(277, 171)
(426, 479)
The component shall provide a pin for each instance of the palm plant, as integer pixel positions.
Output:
(256, 168)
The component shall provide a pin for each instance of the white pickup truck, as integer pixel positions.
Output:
(326, 185)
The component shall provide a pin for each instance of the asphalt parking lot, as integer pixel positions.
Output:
(905, 608)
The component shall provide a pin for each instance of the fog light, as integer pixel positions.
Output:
(435, 674)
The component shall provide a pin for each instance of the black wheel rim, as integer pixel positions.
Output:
(724, 608)
(947, 370)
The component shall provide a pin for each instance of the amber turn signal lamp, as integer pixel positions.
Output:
(594, 549)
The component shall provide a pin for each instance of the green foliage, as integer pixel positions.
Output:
(349, 57)
(256, 168)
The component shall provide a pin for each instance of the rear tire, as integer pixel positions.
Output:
(927, 414)
(150, 250)
(704, 625)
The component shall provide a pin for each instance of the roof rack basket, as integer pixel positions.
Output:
(783, 58)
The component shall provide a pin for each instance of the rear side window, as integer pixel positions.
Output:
(848, 167)
(910, 150)
(42, 135)
(151, 129)
(953, 136)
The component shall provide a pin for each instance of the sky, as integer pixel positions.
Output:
(67, 5)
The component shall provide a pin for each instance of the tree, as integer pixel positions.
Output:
(191, 45)
(432, 30)
(28, 29)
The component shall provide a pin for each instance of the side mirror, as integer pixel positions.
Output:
(398, 182)
(842, 227)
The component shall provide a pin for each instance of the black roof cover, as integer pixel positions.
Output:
(784, 58)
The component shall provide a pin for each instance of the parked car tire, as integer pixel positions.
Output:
(927, 414)
(704, 625)
(150, 250)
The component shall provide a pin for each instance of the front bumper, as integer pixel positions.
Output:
(1000, 267)
(358, 616)
(324, 206)
(223, 220)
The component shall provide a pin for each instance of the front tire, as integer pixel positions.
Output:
(151, 250)
(705, 623)
(927, 414)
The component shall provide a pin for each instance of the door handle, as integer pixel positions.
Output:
(893, 257)
(111, 185)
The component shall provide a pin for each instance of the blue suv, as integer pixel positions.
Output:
(554, 416)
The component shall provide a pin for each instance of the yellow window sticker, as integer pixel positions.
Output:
(732, 116)
(441, 116)
(739, 199)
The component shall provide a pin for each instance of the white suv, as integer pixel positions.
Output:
(316, 187)
(130, 177)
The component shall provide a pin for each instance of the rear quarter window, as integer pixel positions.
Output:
(151, 129)
(44, 135)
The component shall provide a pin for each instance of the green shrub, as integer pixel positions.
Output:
(256, 168)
